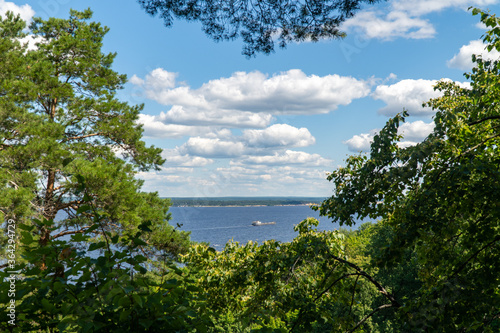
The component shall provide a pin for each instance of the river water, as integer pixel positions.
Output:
(218, 225)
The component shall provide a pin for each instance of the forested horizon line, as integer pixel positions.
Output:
(244, 201)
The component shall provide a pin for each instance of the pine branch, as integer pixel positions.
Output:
(82, 136)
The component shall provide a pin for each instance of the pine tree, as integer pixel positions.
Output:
(61, 125)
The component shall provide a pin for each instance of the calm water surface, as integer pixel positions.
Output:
(218, 225)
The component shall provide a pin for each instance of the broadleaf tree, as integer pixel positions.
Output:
(260, 23)
(311, 284)
(440, 201)
(61, 122)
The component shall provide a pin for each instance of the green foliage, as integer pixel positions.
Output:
(98, 288)
(306, 285)
(439, 202)
(364, 247)
(59, 118)
(431, 264)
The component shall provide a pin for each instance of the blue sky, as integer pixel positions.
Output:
(276, 125)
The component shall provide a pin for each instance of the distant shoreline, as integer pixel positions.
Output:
(208, 206)
(246, 201)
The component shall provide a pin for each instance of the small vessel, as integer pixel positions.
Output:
(257, 223)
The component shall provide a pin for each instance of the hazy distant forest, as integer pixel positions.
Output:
(67, 144)
(245, 201)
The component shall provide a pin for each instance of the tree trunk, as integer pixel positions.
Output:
(49, 209)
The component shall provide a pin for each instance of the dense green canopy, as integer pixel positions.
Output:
(440, 199)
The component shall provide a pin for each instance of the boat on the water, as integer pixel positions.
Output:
(258, 223)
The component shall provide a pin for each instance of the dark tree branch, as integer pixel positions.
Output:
(320, 295)
(82, 136)
(478, 145)
(68, 204)
(483, 120)
(334, 283)
(459, 269)
(385, 306)
(353, 293)
(361, 272)
(72, 232)
(292, 269)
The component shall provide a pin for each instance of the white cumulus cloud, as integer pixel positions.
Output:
(375, 24)
(416, 131)
(412, 132)
(287, 157)
(212, 147)
(155, 83)
(250, 99)
(179, 114)
(423, 7)
(264, 179)
(410, 95)
(278, 135)
(31, 41)
(175, 159)
(361, 142)
(405, 18)
(463, 59)
(247, 175)
(25, 11)
(406, 94)
(155, 127)
(251, 142)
